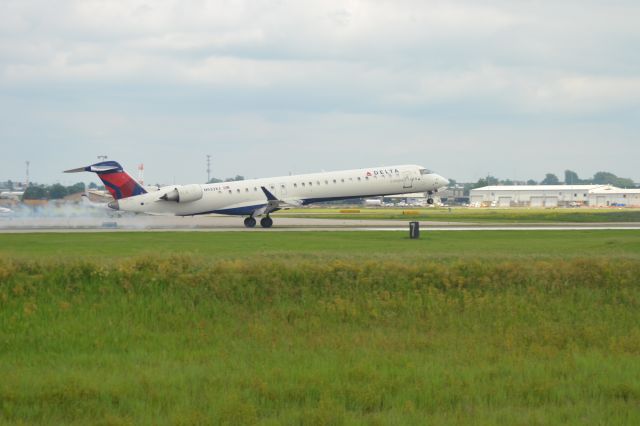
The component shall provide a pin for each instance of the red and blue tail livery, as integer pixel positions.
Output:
(119, 183)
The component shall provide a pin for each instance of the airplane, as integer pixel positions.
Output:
(373, 202)
(5, 211)
(260, 197)
(11, 195)
(86, 201)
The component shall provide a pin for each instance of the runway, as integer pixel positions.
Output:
(215, 223)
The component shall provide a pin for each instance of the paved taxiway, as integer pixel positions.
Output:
(226, 223)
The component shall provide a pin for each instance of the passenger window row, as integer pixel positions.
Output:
(310, 183)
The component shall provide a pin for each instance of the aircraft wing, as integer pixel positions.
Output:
(274, 203)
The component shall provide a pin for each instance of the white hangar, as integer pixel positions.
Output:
(611, 196)
(554, 196)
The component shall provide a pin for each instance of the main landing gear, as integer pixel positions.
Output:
(265, 222)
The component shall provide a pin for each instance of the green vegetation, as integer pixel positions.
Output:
(354, 244)
(230, 179)
(475, 215)
(53, 192)
(570, 178)
(320, 328)
(600, 178)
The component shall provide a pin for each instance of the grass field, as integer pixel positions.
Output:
(510, 327)
(357, 245)
(459, 214)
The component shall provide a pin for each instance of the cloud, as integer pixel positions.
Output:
(400, 53)
(105, 69)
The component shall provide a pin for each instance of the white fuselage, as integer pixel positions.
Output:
(244, 197)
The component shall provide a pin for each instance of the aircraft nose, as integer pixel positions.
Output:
(441, 181)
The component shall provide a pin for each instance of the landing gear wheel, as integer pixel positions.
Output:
(250, 222)
(429, 200)
(266, 222)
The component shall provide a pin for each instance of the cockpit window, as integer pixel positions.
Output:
(425, 172)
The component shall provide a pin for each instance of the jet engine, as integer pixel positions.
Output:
(183, 194)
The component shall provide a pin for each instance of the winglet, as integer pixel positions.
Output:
(268, 194)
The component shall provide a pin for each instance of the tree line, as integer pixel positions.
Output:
(570, 178)
(57, 191)
(54, 192)
(233, 179)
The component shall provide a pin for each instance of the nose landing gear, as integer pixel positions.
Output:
(430, 200)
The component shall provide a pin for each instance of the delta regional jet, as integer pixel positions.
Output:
(260, 197)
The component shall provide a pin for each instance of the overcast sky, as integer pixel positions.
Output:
(511, 88)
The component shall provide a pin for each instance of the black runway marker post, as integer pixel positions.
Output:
(414, 230)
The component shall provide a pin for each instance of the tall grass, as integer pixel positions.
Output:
(187, 340)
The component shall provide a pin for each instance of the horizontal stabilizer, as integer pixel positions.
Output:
(96, 168)
(78, 170)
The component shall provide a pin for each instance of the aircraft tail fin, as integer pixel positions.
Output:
(117, 181)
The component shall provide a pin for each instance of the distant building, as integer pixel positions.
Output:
(12, 186)
(34, 203)
(416, 195)
(610, 196)
(453, 195)
(554, 196)
(93, 195)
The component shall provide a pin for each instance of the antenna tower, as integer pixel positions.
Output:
(26, 184)
(208, 168)
(141, 173)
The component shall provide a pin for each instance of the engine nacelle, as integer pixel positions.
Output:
(184, 194)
